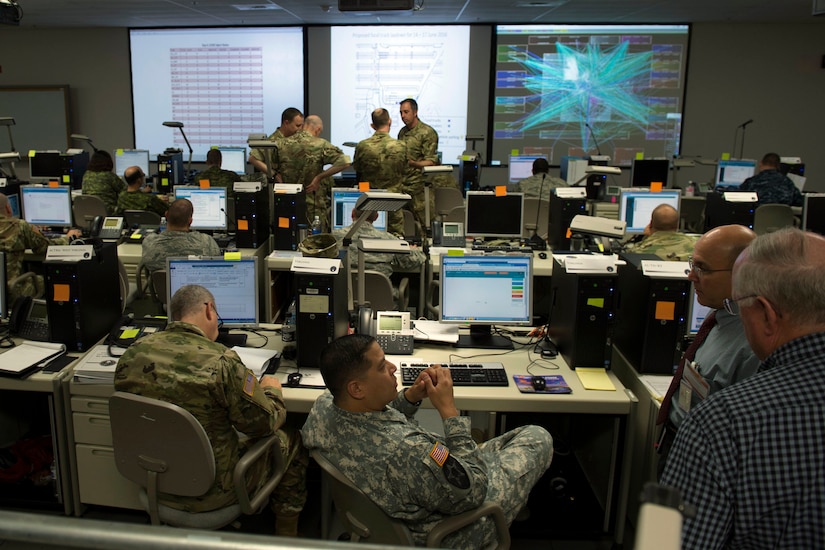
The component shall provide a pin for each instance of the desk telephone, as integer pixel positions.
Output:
(30, 319)
(108, 228)
(449, 234)
(394, 333)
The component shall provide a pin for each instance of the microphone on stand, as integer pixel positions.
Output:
(229, 220)
(595, 141)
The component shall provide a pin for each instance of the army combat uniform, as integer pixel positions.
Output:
(773, 187)
(382, 161)
(159, 246)
(539, 183)
(219, 177)
(106, 185)
(422, 144)
(16, 236)
(182, 366)
(420, 477)
(668, 245)
(138, 200)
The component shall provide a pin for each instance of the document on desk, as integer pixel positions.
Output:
(256, 359)
(28, 356)
(98, 365)
(435, 331)
(595, 379)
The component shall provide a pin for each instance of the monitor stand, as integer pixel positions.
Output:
(230, 340)
(481, 336)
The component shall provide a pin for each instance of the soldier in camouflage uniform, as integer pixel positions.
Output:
(771, 185)
(663, 238)
(365, 426)
(100, 181)
(185, 366)
(16, 236)
(301, 159)
(137, 195)
(292, 120)
(540, 183)
(381, 160)
(218, 177)
(422, 150)
(177, 240)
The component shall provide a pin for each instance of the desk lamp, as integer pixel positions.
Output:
(179, 126)
(260, 141)
(87, 139)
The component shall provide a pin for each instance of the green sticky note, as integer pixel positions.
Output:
(514, 152)
(640, 155)
(596, 302)
(236, 255)
(725, 156)
(455, 252)
(129, 333)
(118, 152)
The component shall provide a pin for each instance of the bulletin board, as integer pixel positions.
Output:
(41, 116)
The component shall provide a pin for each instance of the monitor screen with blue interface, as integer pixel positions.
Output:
(485, 291)
(489, 215)
(233, 159)
(49, 206)
(343, 201)
(233, 283)
(731, 173)
(696, 315)
(124, 158)
(636, 207)
(521, 166)
(209, 206)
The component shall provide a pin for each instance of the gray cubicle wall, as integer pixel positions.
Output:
(41, 115)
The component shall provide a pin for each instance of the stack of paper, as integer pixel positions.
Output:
(98, 366)
(256, 359)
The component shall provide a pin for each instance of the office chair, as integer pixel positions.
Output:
(164, 449)
(771, 217)
(159, 286)
(141, 218)
(86, 208)
(366, 522)
(535, 209)
(410, 225)
(124, 285)
(455, 215)
(447, 198)
(378, 291)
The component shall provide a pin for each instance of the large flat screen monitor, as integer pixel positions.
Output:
(209, 206)
(646, 171)
(521, 166)
(49, 206)
(489, 215)
(636, 207)
(731, 173)
(813, 212)
(45, 164)
(233, 159)
(233, 283)
(124, 158)
(343, 201)
(485, 291)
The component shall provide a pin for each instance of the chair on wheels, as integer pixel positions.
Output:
(455, 215)
(164, 449)
(85, 208)
(368, 523)
(378, 291)
(771, 217)
(447, 198)
(410, 225)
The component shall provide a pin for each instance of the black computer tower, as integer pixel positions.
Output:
(83, 298)
(170, 170)
(289, 210)
(252, 218)
(718, 212)
(581, 316)
(562, 212)
(321, 314)
(72, 167)
(651, 316)
(468, 172)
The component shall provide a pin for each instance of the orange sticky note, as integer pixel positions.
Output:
(283, 223)
(501, 190)
(54, 183)
(665, 311)
(61, 293)
(204, 184)
(655, 186)
(243, 225)
(363, 186)
(568, 234)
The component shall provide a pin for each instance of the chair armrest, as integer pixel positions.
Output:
(260, 449)
(454, 523)
(403, 294)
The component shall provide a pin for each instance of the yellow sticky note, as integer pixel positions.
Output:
(655, 186)
(32, 152)
(501, 190)
(640, 155)
(118, 152)
(54, 183)
(595, 379)
(204, 184)
(164, 182)
(243, 225)
(130, 333)
(363, 186)
(67, 178)
(234, 255)
(61, 293)
(455, 252)
(596, 302)
(725, 156)
(214, 147)
(136, 236)
(514, 152)
(283, 223)
(665, 311)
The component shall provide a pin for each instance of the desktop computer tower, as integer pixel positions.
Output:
(289, 210)
(83, 298)
(252, 218)
(468, 171)
(581, 316)
(562, 212)
(651, 316)
(321, 314)
(170, 170)
(718, 212)
(72, 167)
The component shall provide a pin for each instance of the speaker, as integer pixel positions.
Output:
(562, 212)
(251, 218)
(321, 314)
(289, 210)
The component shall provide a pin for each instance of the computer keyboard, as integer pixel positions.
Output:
(501, 248)
(463, 374)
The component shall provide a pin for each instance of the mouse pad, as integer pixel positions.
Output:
(555, 384)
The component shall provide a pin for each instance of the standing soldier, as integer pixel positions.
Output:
(422, 150)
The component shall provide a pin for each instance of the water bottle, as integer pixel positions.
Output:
(690, 190)
(288, 328)
(162, 226)
(315, 228)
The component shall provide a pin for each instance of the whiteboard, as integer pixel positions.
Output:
(41, 115)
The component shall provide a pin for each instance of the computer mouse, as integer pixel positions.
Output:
(538, 382)
(293, 379)
(543, 255)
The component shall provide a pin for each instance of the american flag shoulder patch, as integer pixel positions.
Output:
(439, 454)
(249, 384)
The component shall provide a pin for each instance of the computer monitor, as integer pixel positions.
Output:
(731, 173)
(489, 215)
(636, 207)
(50, 206)
(813, 212)
(233, 283)
(485, 291)
(209, 206)
(646, 171)
(521, 166)
(233, 159)
(45, 165)
(124, 158)
(696, 314)
(4, 305)
(343, 201)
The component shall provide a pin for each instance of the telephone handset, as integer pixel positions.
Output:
(366, 324)
(109, 227)
(29, 319)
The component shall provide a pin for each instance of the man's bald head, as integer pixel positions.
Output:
(664, 218)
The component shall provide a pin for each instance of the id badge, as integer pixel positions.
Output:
(692, 384)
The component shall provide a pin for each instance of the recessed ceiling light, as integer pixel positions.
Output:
(256, 7)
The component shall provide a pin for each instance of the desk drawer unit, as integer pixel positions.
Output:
(100, 482)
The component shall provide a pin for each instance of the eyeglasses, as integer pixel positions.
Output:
(731, 305)
(702, 271)
(215, 309)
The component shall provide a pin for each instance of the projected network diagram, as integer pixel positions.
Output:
(575, 94)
